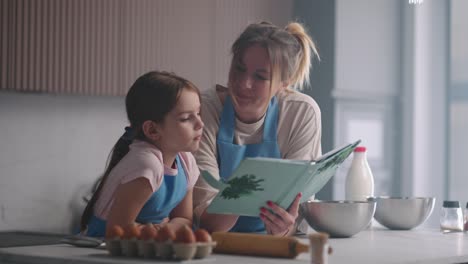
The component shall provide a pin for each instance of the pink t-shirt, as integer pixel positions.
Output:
(143, 160)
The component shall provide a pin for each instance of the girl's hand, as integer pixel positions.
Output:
(163, 223)
(278, 221)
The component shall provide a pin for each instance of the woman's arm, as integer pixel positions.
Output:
(217, 222)
(299, 137)
(206, 156)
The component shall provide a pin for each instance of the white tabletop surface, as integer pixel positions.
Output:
(375, 245)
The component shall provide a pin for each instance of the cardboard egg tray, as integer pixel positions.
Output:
(159, 250)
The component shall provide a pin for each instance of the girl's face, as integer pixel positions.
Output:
(250, 84)
(182, 127)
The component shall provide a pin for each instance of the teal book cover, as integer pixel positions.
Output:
(257, 180)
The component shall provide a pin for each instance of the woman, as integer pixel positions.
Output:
(259, 114)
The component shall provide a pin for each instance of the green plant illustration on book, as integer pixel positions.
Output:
(244, 185)
(335, 160)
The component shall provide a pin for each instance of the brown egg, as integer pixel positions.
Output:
(185, 235)
(166, 233)
(148, 232)
(114, 231)
(201, 235)
(131, 231)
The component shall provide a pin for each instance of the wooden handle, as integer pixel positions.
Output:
(258, 245)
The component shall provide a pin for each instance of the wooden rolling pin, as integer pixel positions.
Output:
(258, 245)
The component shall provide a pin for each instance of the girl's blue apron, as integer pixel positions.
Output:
(230, 155)
(159, 205)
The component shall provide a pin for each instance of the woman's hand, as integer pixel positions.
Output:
(278, 221)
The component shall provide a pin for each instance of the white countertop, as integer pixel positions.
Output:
(375, 245)
(389, 246)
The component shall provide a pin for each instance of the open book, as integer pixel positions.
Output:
(258, 180)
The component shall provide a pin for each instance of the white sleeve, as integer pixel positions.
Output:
(300, 128)
(148, 167)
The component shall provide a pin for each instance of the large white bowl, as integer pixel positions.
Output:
(338, 218)
(403, 213)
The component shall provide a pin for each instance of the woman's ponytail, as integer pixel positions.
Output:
(300, 77)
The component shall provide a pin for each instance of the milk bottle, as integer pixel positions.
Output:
(359, 181)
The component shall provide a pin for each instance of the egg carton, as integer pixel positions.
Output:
(151, 249)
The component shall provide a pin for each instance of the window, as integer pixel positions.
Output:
(458, 102)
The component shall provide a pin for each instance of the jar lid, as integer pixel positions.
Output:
(451, 204)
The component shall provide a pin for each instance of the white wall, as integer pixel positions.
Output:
(52, 148)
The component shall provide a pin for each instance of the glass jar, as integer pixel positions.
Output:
(451, 217)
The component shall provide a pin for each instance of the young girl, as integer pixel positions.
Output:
(151, 173)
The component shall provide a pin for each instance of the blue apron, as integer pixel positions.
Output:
(230, 155)
(159, 205)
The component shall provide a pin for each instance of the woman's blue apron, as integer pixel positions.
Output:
(230, 155)
(159, 205)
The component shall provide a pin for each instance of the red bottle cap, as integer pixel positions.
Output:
(360, 149)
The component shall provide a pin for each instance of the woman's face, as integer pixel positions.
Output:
(250, 84)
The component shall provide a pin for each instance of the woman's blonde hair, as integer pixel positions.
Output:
(291, 51)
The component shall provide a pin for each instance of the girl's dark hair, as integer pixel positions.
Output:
(151, 97)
